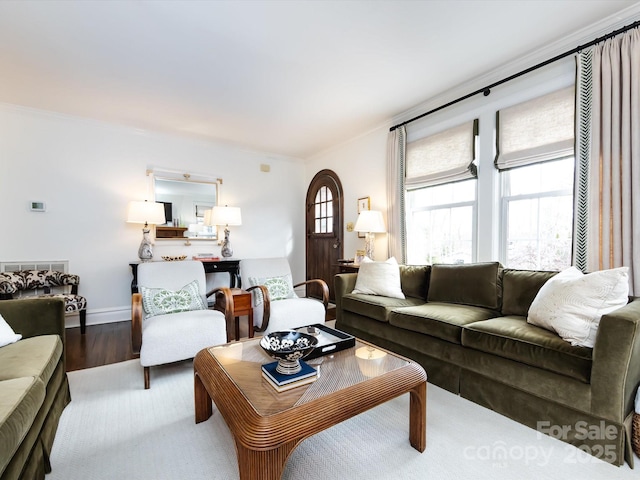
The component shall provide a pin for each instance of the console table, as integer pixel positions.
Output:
(348, 267)
(232, 267)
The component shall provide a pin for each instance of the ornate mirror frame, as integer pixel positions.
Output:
(187, 198)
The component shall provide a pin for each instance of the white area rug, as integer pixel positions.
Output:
(114, 429)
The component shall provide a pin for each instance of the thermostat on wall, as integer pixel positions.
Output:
(38, 207)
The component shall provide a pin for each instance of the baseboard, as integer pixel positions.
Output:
(99, 316)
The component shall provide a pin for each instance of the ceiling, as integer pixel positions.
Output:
(290, 78)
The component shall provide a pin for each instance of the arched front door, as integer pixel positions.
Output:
(324, 222)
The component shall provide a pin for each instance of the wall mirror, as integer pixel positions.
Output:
(187, 200)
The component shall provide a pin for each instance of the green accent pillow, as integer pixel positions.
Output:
(280, 288)
(478, 284)
(160, 301)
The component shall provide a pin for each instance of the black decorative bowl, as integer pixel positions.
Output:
(288, 347)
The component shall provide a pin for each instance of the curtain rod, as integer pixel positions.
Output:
(487, 90)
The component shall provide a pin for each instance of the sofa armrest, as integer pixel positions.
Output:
(35, 316)
(615, 373)
(343, 283)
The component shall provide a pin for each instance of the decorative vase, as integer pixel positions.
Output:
(226, 250)
(145, 252)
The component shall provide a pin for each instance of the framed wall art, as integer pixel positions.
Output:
(364, 203)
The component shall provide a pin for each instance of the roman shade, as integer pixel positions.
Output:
(535, 131)
(444, 157)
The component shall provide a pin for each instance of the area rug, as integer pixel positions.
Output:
(114, 429)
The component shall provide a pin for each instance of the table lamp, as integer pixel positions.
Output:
(370, 222)
(146, 212)
(225, 216)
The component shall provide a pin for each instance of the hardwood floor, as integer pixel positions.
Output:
(111, 343)
(100, 345)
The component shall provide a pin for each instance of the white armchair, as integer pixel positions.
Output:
(170, 319)
(275, 303)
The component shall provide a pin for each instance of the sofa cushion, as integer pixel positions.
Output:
(513, 338)
(519, 288)
(20, 401)
(31, 357)
(467, 284)
(414, 280)
(375, 306)
(441, 320)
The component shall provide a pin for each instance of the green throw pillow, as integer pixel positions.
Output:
(160, 301)
(279, 288)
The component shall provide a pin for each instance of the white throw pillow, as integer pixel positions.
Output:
(379, 278)
(572, 303)
(7, 335)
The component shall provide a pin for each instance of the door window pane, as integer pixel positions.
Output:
(323, 211)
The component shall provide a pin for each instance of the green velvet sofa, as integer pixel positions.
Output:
(34, 389)
(466, 325)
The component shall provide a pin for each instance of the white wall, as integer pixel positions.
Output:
(361, 166)
(87, 172)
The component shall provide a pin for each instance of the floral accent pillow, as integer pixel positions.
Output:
(160, 301)
(280, 288)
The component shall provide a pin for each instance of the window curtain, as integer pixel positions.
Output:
(607, 225)
(444, 157)
(536, 131)
(396, 224)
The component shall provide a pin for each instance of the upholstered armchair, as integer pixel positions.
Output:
(275, 303)
(170, 318)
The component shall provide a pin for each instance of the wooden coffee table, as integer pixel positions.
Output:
(267, 426)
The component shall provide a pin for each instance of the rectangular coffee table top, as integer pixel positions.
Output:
(242, 362)
(267, 425)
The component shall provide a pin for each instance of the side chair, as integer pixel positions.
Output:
(276, 306)
(170, 318)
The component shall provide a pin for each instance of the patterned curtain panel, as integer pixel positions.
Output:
(396, 157)
(608, 157)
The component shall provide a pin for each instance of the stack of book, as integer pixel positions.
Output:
(282, 382)
(206, 257)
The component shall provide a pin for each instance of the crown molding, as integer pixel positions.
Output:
(570, 41)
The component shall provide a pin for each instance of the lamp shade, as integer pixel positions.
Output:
(370, 221)
(224, 216)
(146, 212)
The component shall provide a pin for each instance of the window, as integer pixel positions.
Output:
(519, 208)
(537, 213)
(441, 196)
(323, 211)
(441, 223)
(535, 159)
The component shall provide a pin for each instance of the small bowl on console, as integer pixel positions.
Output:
(288, 347)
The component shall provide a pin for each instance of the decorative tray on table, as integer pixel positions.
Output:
(330, 340)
